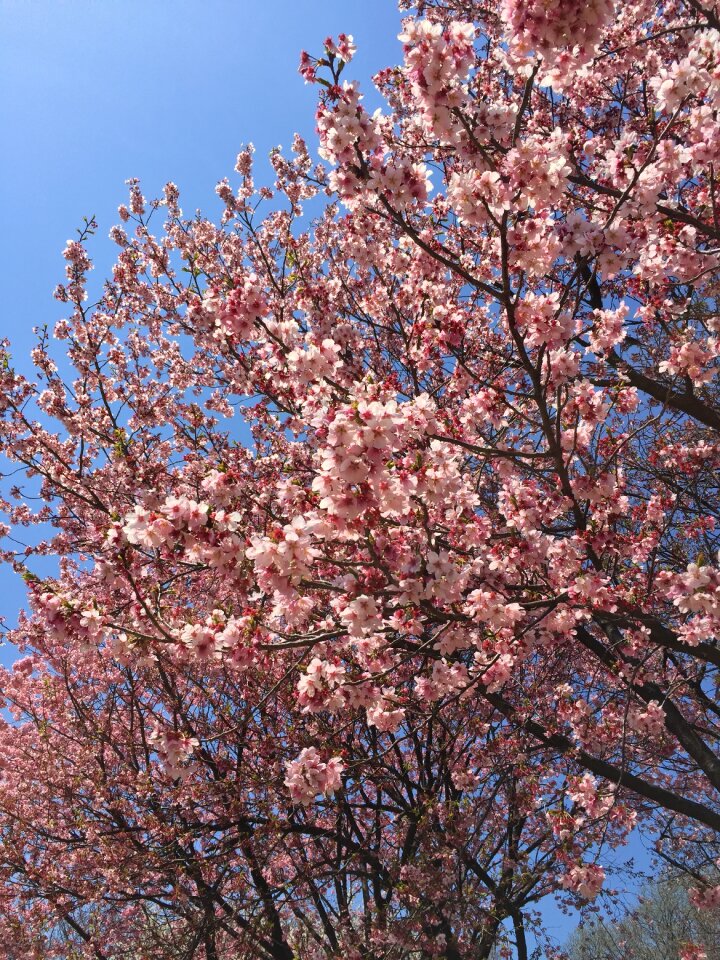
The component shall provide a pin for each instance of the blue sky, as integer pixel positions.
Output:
(98, 91)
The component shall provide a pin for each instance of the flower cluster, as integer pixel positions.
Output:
(437, 61)
(550, 26)
(284, 557)
(317, 687)
(707, 898)
(174, 751)
(309, 775)
(235, 314)
(584, 879)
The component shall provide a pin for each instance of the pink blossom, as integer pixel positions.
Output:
(692, 951)
(174, 750)
(549, 27)
(707, 898)
(584, 879)
(383, 716)
(650, 721)
(308, 775)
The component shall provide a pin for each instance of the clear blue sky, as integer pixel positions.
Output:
(97, 91)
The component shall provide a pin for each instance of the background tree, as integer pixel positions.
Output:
(663, 923)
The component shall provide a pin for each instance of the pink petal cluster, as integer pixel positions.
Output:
(550, 26)
(707, 898)
(584, 879)
(174, 751)
(309, 775)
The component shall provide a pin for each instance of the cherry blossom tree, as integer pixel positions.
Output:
(389, 535)
(143, 805)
